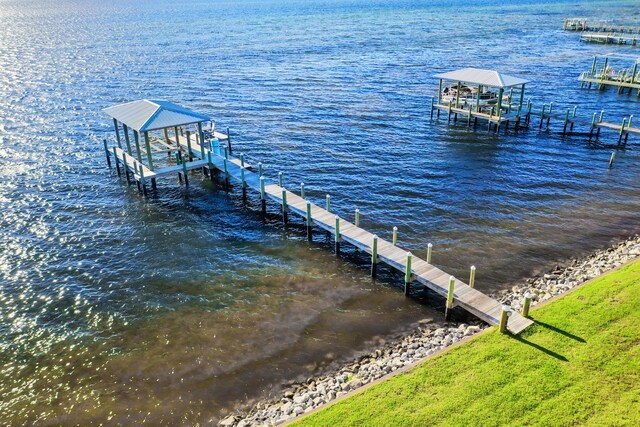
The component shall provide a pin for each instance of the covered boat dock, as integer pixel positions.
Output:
(480, 94)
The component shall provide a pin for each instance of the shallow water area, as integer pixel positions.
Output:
(177, 308)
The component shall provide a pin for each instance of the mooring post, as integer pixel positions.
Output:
(550, 111)
(432, 102)
(229, 141)
(542, 116)
(429, 249)
(566, 121)
(449, 111)
(106, 152)
(374, 256)
(244, 184)
(357, 218)
(147, 145)
(593, 125)
(136, 138)
(472, 276)
(242, 159)
(134, 172)
(184, 171)
(624, 121)
(115, 157)
(260, 169)
(328, 203)
(395, 235)
(504, 318)
(407, 274)
(526, 305)
(127, 139)
(601, 116)
(449, 306)
(279, 179)
(189, 155)
(302, 190)
(309, 221)
(337, 235)
(125, 167)
(211, 169)
(284, 205)
(117, 128)
(613, 156)
(142, 180)
(263, 196)
(178, 162)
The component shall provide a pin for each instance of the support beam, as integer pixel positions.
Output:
(148, 148)
(136, 137)
(126, 139)
(115, 125)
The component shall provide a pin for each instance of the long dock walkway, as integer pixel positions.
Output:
(414, 268)
(610, 38)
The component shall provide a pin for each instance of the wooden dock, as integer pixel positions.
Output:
(610, 38)
(471, 116)
(524, 118)
(194, 155)
(583, 24)
(605, 75)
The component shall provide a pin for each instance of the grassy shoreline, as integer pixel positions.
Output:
(578, 365)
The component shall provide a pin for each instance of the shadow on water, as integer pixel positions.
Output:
(559, 331)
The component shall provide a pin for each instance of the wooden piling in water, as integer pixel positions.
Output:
(106, 153)
(374, 256)
(309, 220)
(449, 305)
(407, 274)
(115, 157)
(284, 206)
(337, 235)
(263, 198)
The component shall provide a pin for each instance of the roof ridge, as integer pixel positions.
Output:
(152, 116)
(500, 79)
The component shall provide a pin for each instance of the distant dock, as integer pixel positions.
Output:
(583, 24)
(206, 154)
(605, 75)
(610, 38)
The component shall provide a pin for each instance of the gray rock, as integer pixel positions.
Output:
(228, 422)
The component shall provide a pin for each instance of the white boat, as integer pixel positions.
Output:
(468, 96)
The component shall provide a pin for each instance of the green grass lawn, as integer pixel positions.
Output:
(579, 365)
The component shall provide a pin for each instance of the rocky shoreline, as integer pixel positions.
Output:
(426, 340)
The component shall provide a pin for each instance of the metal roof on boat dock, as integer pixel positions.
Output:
(145, 115)
(482, 77)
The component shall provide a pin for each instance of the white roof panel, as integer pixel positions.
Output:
(482, 77)
(145, 115)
